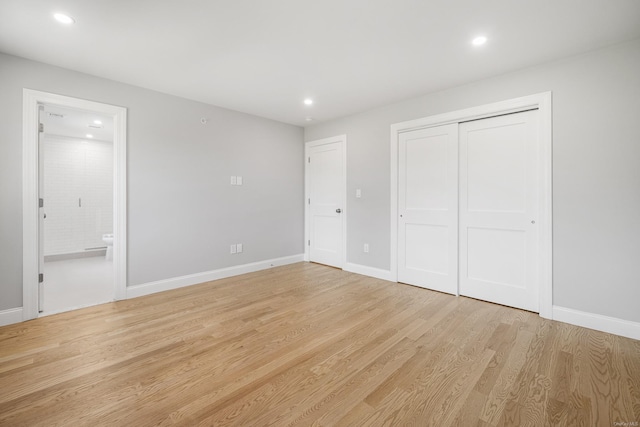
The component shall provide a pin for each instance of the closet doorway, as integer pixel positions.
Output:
(473, 203)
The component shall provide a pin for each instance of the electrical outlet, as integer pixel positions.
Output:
(233, 249)
(238, 180)
(239, 248)
(366, 248)
(233, 180)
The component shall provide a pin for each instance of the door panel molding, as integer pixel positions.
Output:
(342, 139)
(541, 102)
(30, 175)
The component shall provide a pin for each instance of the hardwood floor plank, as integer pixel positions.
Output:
(306, 344)
(469, 414)
(503, 387)
(561, 377)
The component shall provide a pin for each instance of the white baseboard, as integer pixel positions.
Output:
(12, 315)
(206, 276)
(598, 322)
(368, 271)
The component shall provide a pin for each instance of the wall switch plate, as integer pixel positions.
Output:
(358, 193)
(238, 180)
(239, 248)
(233, 249)
(233, 180)
(366, 248)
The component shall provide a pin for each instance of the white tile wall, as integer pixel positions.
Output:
(73, 170)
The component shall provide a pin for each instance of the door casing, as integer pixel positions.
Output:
(542, 102)
(30, 192)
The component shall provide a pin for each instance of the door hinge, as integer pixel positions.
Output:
(41, 202)
(40, 277)
(309, 201)
(309, 160)
(308, 242)
(40, 127)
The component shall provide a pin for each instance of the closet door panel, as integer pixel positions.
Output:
(498, 207)
(428, 207)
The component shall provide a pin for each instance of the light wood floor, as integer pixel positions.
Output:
(310, 345)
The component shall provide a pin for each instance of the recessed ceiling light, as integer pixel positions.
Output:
(97, 122)
(64, 19)
(308, 101)
(89, 135)
(308, 119)
(479, 41)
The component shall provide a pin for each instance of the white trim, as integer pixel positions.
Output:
(120, 202)
(307, 146)
(545, 203)
(611, 325)
(207, 276)
(10, 316)
(542, 102)
(30, 207)
(368, 271)
(31, 100)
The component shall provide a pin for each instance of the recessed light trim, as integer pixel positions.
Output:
(64, 18)
(308, 101)
(89, 135)
(97, 122)
(479, 41)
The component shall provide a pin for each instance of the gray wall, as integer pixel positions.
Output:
(183, 213)
(596, 172)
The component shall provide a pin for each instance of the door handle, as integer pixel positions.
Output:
(338, 210)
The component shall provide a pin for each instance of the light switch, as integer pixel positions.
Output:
(239, 247)
(232, 249)
(239, 180)
(358, 193)
(233, 180)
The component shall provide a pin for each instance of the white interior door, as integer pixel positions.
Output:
(325, 179)
(499, 176)
(428, 208)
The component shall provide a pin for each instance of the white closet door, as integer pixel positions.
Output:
(428, 208)
(499, 175)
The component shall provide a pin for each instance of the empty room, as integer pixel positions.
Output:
(335, 213)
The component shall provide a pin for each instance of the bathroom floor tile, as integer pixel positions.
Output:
(77, 283)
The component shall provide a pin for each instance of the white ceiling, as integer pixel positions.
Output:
(264, 57)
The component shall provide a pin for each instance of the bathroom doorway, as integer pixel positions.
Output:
(76, 185)
(74, 213)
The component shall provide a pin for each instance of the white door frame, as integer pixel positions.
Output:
(307, 146)
(542, 102)
(30, 209)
